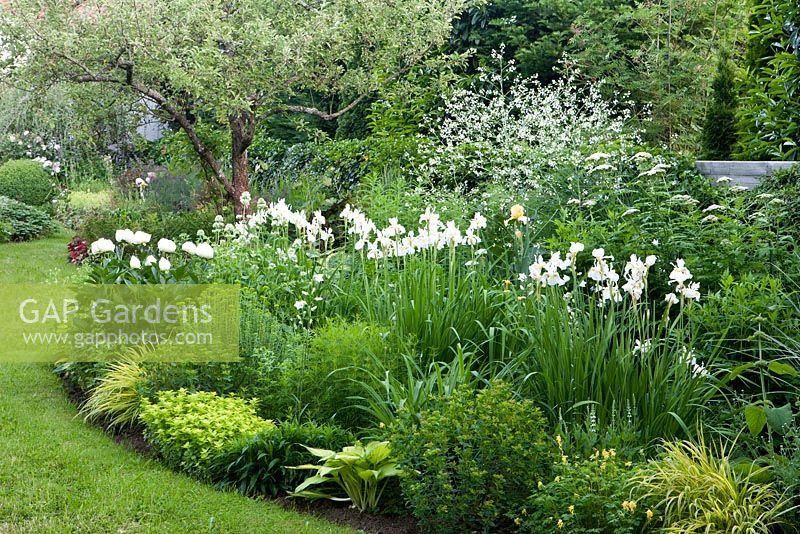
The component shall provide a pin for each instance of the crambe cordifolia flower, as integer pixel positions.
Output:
(140, 238)
(135, 263)
(641, 156)
(659, 168)
(166, 245)
(204, 250)
(713, 207)
(101, 246)
(125, 235)
(189, 247)
(709, 219)
(597, 156)
(603, 167)
(150, 260)
(723, 180)
(164, 264)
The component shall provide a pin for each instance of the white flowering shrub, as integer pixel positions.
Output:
(520, 133)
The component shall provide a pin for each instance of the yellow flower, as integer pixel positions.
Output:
(571, 508)
(557, 479)
(517, 521)
(628, 464)
(517, 212)
(563, 459)
(629, 506)
(558, 439)
(560, 524)
(518, 234)
(540, 485)
(649, 514)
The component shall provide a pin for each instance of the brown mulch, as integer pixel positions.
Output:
(343, 514)
(335, 512)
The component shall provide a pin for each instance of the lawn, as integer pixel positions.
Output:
(58, 474)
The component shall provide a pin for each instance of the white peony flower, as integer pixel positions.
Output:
(150, 260)
(166, 245)
(204, 250)
(189, 247)
(125, 235)
(164, 264)
(140, 238)
(101, 246)
(135, 263)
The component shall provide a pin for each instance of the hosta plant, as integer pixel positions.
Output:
(360, 471)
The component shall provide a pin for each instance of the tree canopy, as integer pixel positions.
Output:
(235, 62)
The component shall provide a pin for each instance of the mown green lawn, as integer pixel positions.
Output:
(58, 474)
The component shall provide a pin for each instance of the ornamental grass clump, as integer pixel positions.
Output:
(118, 393)
(701, 490)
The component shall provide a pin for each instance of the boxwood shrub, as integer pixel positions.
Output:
(27, 181)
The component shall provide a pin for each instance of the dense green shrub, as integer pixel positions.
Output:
(742, 311)
(768, 125)
(332, 371)
(22, 222)
(320, 175)
(586, 495)
(26, 181)
(473, 461)
(142, 215)
(190, 429)
(257, 465)
(175, 191)
(719, 130)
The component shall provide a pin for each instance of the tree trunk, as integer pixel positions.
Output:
(242, 132)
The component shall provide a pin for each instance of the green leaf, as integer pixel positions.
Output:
(780, 368)
(779, 419)
(756, 419)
